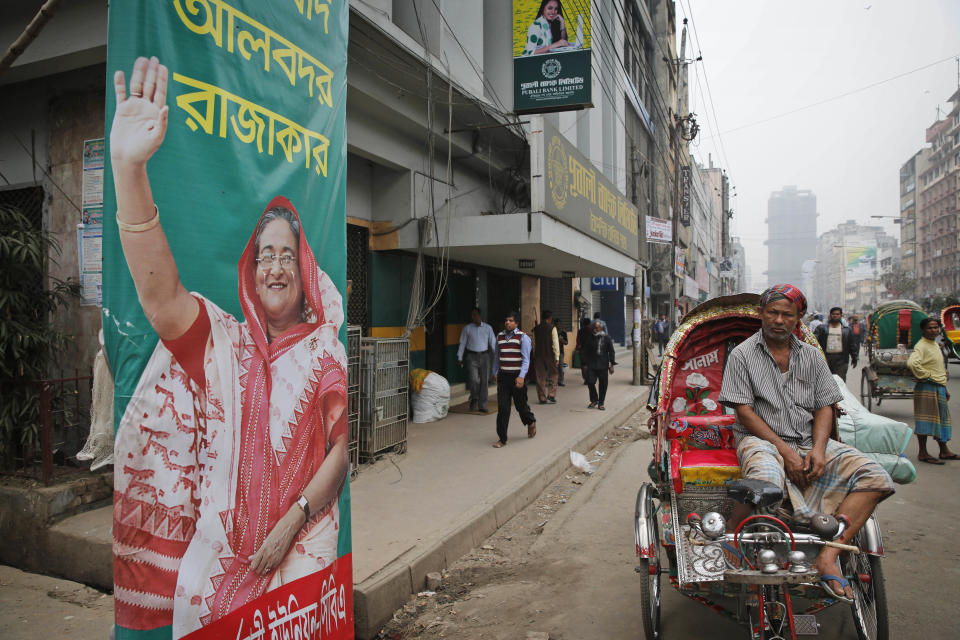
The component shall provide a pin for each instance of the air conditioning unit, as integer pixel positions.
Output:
(659, 282)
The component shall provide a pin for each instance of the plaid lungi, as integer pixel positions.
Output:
(931, 414)
(847, 470)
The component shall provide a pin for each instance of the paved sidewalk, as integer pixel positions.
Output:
(420, 511)
(34, 606)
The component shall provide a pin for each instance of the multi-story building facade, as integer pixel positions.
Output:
(851, 261)
(740, 280)
(911, 248)
(440, 213)
(792, 233)
(938, 208)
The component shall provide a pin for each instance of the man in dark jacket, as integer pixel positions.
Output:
(599, 358)
(838, 343)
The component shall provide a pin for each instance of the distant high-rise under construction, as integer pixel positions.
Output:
(791, 234)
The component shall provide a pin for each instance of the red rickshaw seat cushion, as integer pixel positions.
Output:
(702, 467)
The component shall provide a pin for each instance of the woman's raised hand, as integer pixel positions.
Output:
(140, 121)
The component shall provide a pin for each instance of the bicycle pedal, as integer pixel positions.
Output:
(806, 624)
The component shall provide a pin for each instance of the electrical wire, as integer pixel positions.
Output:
(842, 95)
(706, 80)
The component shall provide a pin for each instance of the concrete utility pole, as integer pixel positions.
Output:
(639, 362)
(677, 200)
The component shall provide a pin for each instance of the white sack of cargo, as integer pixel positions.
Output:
(433, 399)
(882, 438)
(899, 467)
(867, 431)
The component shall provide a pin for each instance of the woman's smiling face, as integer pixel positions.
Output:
(551, 10)
(279, 287)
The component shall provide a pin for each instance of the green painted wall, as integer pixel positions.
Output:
(391, 281)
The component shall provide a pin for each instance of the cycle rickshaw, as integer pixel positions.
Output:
(950, 323)
(893, 331)
(680, 517)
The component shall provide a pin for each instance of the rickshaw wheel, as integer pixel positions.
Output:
(869, 597)
(866, 395)
(650, 592)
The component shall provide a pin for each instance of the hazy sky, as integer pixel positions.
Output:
(764, 58)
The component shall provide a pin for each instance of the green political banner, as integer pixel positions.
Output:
(551, 55)
(224, 259)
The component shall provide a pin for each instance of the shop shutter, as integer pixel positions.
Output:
(556, 294)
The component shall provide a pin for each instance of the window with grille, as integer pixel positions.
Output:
(28, 201)
(357, 262)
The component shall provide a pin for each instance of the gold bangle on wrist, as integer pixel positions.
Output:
(142, 226)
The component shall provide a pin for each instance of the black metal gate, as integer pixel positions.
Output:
(358, 253)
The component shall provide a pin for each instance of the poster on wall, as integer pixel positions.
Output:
(685, 195)
(551, 55)
(659, 230)
(89, 258)
(224, 271)
(90, 229)
(861, 263)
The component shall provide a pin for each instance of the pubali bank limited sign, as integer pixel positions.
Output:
(580, 196)
(551, 56)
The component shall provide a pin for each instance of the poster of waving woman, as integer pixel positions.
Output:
(231, 489)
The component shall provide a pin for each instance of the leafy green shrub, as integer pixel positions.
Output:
(29, 342)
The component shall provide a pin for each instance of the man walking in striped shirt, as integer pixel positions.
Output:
(510, 366)
(782, 392)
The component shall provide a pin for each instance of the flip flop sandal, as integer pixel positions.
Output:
(953, 457)
(825, 585)
(932, 461)
(499, 445)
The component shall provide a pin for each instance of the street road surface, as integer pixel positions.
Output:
(565, 565)
(576, 579)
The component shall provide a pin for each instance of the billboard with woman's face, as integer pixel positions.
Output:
(223, 318)
(551, 55)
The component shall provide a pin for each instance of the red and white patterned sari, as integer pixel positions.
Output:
(211, 453)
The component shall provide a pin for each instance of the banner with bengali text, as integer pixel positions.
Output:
(578, 194)
(221, 432)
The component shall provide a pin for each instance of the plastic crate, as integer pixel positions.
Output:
(385, 352)
(353, 450)
(353, 356)
(353, 403)
(378, 439)
(377, 409)
(384, 399)
(384, 380)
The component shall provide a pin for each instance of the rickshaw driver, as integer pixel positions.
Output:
(782, 392)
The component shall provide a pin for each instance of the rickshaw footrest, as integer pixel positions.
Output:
(806, 624)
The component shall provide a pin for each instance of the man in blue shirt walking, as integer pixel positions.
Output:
(477, 346)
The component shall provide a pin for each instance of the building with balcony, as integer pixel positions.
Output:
(938, 207)
(851, 261)
(446, 189)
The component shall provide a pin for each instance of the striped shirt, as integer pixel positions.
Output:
(513, 353)
(785, 401)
